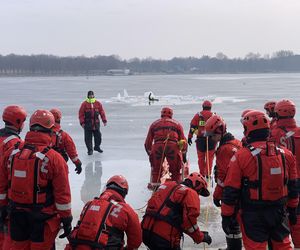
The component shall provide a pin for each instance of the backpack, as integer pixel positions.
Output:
(270, 186)
(95, 227)
(28, 185)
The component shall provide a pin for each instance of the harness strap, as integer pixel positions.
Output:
(290, 135)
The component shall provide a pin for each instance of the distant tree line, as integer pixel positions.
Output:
(281, 61)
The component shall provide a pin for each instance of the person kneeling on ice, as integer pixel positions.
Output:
(63, 142)
(262, 180)
(173, 210)
(165, 139)
(215, 127)
(104, 220)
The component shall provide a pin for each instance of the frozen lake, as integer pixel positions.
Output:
(129, 116)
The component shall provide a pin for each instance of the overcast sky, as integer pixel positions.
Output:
(149, 28)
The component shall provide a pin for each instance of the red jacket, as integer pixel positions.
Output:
(184, 218)
(122, 217)
(227, 148)
(165, 129)
(8, 138)
(89, 115)
(270, 189)
(52, 169)
(287, 134)
(198, 123)
(63, 143)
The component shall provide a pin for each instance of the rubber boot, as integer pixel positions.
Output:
(233, 244)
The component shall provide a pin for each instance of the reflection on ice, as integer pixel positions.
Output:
(92, 183)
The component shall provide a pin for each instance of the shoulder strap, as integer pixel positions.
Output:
(9, 138)
(102, 225)
(166, 200)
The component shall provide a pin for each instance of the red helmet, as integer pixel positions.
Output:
(42, 117)
(167, 112)
(199, 184)
(57, 114)
(207, 104)
(255, 120)
(285, 108)
(246, 111)
(269, 106)
(15, 115)
(215, 125)
(119, 180)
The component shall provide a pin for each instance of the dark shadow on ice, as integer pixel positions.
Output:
(92, 183)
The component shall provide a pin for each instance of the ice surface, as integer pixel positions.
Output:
(129, 116)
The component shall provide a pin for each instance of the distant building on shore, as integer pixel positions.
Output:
(119, 72)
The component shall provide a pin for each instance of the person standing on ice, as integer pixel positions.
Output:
(216, 128)
(104, 220)
(287, 134)
(270, 111)
(262, 180)
(205, 146)
(89, 119)
(173, 210)
(14, 117)
(63, 142)
(165, 139)
(34, 185)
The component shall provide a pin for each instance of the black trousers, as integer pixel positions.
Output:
(88, 138)
(266, 223)
(155, 242)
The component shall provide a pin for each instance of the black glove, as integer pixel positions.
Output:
(292, 215)
(227, 222)
(3, 214)
(207, 239)
(78, 168)
(190, 142)
(67, 226)
(217, 202)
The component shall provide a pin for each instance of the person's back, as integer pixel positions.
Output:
(34, 179)
(262, 180)
(287, 134)
(227, 148)
(204, 145)
(163, 141)
(216, 128)
(165, 130)
(173, 210)
(14, 117)
(63, 142)
(104, 220)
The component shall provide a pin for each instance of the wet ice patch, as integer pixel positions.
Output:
(148, 98)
